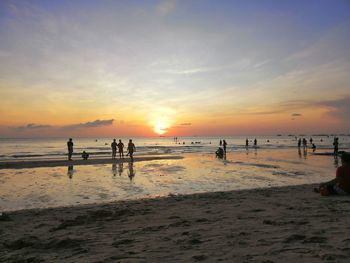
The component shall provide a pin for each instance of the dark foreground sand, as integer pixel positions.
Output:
(289, 224)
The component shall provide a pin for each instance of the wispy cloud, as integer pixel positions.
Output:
(90, 124)
(32, 126)
(87, 125)
(296, 115)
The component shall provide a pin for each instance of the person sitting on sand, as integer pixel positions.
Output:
(85, 155)
(131, 149)
(219, 153)
(70, 148)
(340, 185)
(121, 149)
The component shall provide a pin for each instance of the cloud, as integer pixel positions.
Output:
(166, 7)
(32, 126)
(339, 108)
(186, 124)
(90, 124)
(296, 115)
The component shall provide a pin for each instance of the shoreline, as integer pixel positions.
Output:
(264, 224)
(20, 164)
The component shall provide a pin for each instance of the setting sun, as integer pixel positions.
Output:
(160, 127)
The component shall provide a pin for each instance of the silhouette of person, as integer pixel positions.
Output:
(299, 143)
(85, 155)
(120, 168)
(120, 149)
(224, 144)
(220, 143)
(255, 142)
(131, 149)
(132, 172)
(70, 171)
(313, 147)
(219, 153)
(70, 148)
(304, 143)
(311, 140)
(246, 142)
(114, 149)
(336, 145)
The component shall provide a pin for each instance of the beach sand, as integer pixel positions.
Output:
(289, 224)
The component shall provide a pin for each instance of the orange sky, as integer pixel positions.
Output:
(177, 68)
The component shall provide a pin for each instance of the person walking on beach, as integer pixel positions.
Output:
(224, 144)
(299, 143)
(246, 143)
(220, 143)
(131, 149)
(255, 142)
(120, 149)
(70, 148)
(114, 149)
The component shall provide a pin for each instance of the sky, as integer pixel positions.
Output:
(174, 67)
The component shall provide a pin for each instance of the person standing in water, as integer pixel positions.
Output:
(224, 144)
(255, 142)
(70, 148)
(114, 149)
(336, 145)
(246, 143)
(121, 149)
(299, 143)
(131, 149)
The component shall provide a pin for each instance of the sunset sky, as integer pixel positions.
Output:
(190, 67)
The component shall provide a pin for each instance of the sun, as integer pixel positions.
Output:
(160, 127)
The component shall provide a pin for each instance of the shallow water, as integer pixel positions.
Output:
(65, 186)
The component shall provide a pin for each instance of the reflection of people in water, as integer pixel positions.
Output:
(132, 172)
(70, 171)
(120, 168)
(299, 152)
(114, 169)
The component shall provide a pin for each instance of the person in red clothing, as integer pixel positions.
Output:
(340, 185)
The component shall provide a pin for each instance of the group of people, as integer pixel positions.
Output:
(114, 145)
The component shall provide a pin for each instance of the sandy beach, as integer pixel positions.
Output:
(290, 224)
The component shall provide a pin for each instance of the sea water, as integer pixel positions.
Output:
(56, 148)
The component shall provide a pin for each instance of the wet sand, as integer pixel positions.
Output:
(59, 162)
(289, 224)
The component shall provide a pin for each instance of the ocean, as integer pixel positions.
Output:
(56, 148)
